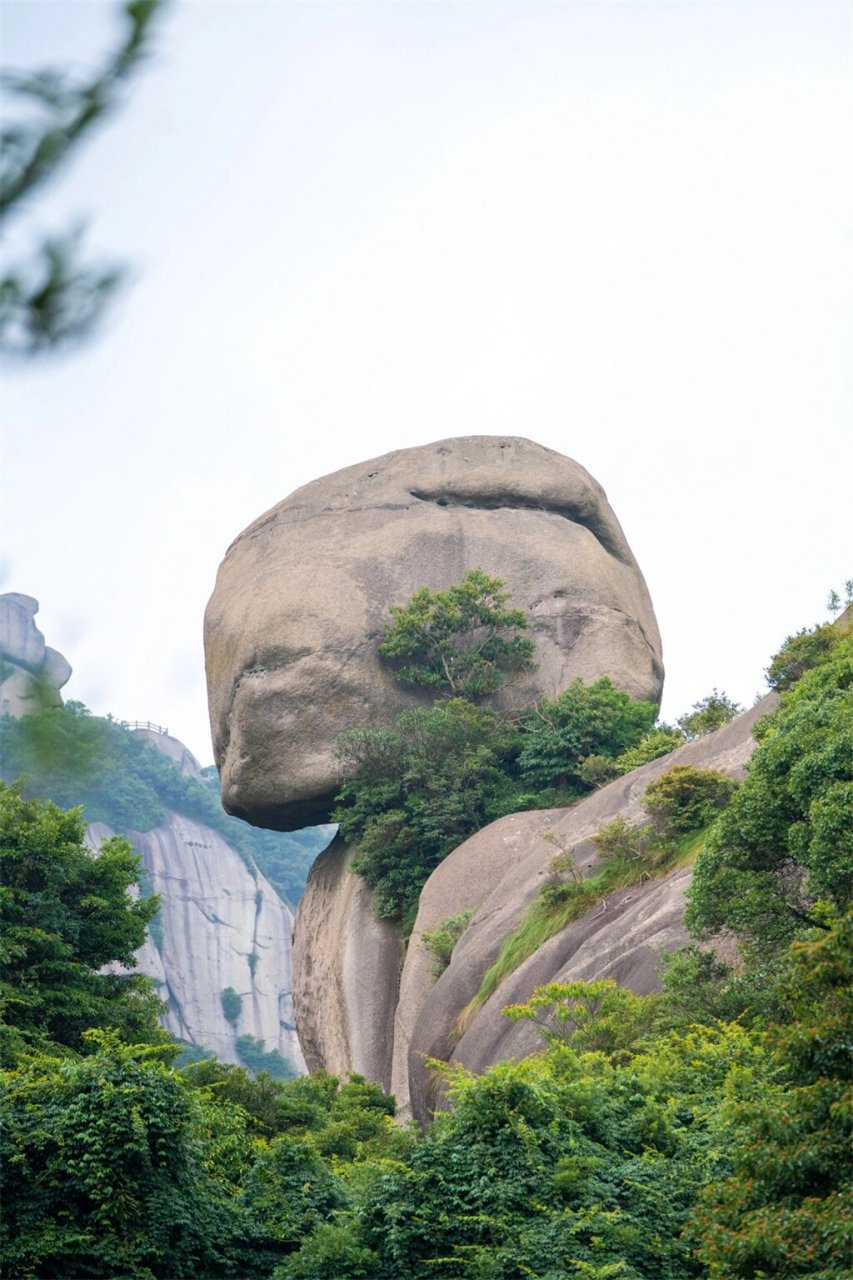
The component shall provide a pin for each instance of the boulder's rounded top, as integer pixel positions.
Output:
(486, 472)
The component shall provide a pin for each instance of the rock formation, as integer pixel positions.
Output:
(221, 925)
(622, 938)
(349, 971)
(494, 875)
(31, 674)
(302, 598)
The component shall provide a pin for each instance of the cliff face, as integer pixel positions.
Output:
(303, 594)
(221, 923)
(220, 926)
(494, 875)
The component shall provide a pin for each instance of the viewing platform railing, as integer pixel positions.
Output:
(142, 724)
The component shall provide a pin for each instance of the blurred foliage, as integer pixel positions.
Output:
(52, 296)
(258, 1058)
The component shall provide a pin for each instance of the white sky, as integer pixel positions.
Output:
(620, 229)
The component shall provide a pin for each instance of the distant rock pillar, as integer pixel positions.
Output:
(31, 674)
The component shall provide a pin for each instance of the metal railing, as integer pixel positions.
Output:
(143, 724)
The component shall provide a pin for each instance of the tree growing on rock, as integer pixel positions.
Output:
(462, 643)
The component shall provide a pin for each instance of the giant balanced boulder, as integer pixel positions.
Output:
(303, 594)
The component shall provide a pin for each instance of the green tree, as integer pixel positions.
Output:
(462, 642)
(780, 858)
(105, 1164)
(417, 791)
(51, 296)
(66, 913)
(585, 720)
(799, 653)
(687, 799)
(785, 1211)
(708, 714)
(588, 1015)
(657, 742)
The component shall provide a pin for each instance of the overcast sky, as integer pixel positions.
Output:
(620, 229)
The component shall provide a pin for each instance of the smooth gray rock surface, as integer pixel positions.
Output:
(215, 915)
(31, 674)
(303, 594)
(346, 971)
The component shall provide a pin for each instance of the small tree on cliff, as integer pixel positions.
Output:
(462, 642)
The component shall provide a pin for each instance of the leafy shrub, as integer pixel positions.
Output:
(442, 940)
(708, 714)
(622, 841)
(659, 742)
(585, 720)
(800, 653)
(258, 1058)
(232, 1004)
(417, 792)
(687, 799)
(597, 770)
(592, 1016)
(780, 858)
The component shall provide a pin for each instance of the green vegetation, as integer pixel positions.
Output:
(686, 799)
(417, 790)
(441, 941)
(708, 714)
(780, 859)
(462, 642)
(65, 914)
(122, 779)
(629, 855)
(232, 1004)
(585, 720)
(258, 1058)
(593, 1017)
(785, 1209)
(699, 1133)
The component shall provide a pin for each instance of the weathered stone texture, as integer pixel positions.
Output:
(216, 915)
(346, 971)
(303, 594)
